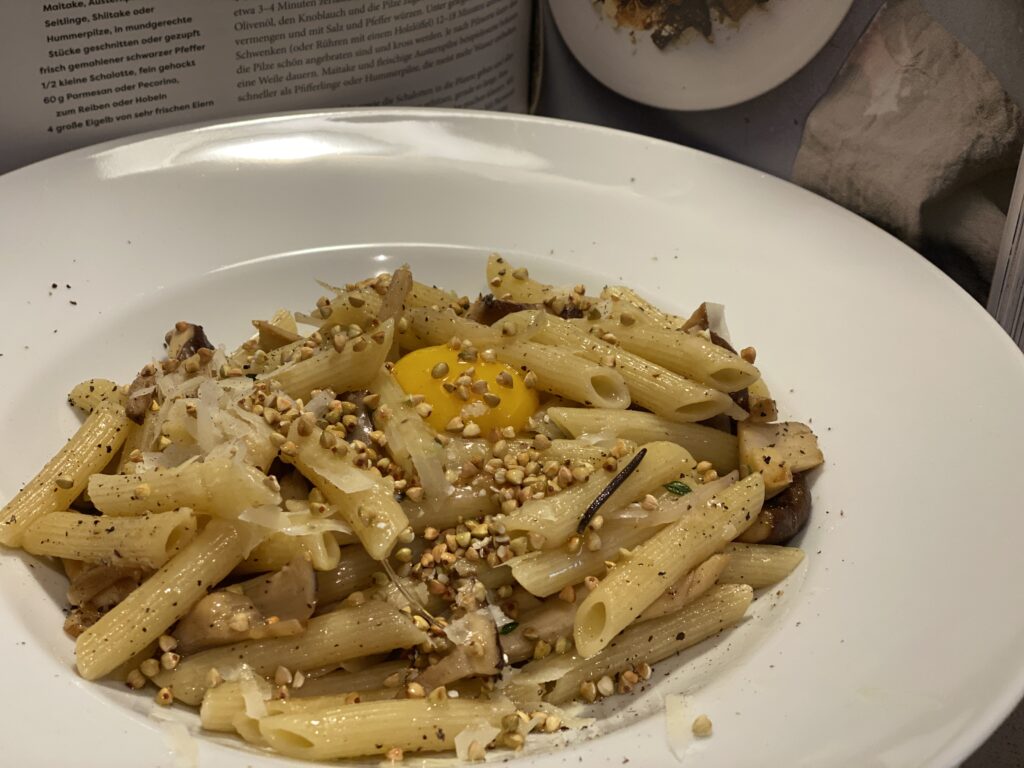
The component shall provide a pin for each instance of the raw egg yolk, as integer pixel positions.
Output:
(447, 383)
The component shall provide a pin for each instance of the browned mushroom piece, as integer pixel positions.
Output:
(140, 395)
(489, 309)
(185, 340)
(783, 516)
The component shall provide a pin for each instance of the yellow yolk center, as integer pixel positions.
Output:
(453, 389)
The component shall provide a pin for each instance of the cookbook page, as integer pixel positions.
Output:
(81, 71)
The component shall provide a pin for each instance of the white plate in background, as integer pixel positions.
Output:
(764, 49)
(898, 644)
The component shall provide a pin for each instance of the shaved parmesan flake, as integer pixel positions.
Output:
(678, 730)
(316, 526)
(341, 474)
(181, 744)
(255, 704)
(461, 631)
(482, 732)
(267, 516)
(207, 434)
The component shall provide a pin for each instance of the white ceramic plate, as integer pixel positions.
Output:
(899, 643)
(767, 47)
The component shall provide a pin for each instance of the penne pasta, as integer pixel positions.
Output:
(65, 476)
(347, 364)
(659, 390)
(703, 443)
(350, 730)
(222, 487)
(759, 565)
(637, 581)
(146, 541)
(561, 373)
(362, 498)
(687, 354)
(459, 514)
(330, 639)
(557, 517)
(651, 641)
(162, 599)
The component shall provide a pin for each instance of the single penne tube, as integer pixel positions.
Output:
(464, 504)
(556, 517)
(577, 451)
(560, 372)
(221, 487)
(625, 300)
(510, 283)
(638, 580)
(687, 589)
(688, 354)
(354, 571)
(411, 442)
(423, 296)
(548, 622)
(759, 565)
(227, 704)
(91, 392)
(353, 367)
(66, 475)
(651, 641)
(355, 307)
(372, 728)
(388, 675)
(161, 600)
(433, 326)
(362, 497)
(703, 443)
(545, 572)
(651, 386)
(146, 541)
(330, 639)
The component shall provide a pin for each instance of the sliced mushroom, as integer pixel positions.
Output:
(185, 340)
(782, 517)
(777, 451)
(475, 653)
(488, 309)
(89, 581)
(289, 593)
(275, 605)
(140, 395)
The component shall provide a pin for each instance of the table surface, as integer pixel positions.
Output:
(765, 133)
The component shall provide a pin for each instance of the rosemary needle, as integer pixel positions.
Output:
(609, 489)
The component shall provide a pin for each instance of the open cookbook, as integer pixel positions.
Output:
(79, 72)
